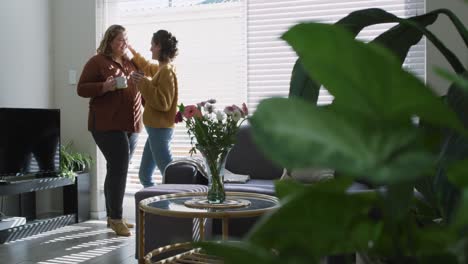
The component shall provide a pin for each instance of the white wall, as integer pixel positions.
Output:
(25, 78)
(42, 40)
(74, 42)
(447, 33)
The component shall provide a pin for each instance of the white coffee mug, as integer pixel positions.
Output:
(120, 82)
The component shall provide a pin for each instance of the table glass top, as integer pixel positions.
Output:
(167, 204)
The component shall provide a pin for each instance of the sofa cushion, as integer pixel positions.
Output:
(245, 158)
(309, 175)
(253, 186)
(184, 171)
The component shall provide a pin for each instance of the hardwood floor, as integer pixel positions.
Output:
(86, 243)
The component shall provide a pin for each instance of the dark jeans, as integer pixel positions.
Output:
(118, 148)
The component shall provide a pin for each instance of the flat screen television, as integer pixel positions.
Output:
(29, 143)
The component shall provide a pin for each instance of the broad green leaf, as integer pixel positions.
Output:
(460, 223)
(446, 258)
(285, 188)
(454, 149)
(414, 27)
(460, 249)
(233, 252)
(457, 100)
(447, 195)
(323, 220)
(458, 173)
(424, 211)
(397, 200)
(400, 38)
(406, 237)
(302, 129)
(312, 136)
(302, 85)
(404, 167)
(430, 210)
(382, 91)
(435, 241)
(357, 20)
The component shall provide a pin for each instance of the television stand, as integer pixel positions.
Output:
(74, 209)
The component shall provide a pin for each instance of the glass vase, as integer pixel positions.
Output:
(215, 159)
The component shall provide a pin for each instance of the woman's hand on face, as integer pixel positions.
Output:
(130, 48)
(109, 84)
(137, 77)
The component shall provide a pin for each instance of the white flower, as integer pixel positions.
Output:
(209, 107)
(219, 115)
(236, 115)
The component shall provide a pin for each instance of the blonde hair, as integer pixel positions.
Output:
(112, 32)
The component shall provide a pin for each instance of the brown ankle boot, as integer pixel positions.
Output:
(129, 225)
(119, 227)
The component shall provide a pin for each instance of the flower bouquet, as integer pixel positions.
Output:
(213, 133)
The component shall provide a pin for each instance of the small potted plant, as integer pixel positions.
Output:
(75, 165)
(72, 162)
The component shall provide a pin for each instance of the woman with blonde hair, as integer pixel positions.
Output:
(114, 118)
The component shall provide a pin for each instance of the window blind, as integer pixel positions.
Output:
(270, 59)
(231, 50)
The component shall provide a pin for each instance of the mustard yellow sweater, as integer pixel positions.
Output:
(160, 93)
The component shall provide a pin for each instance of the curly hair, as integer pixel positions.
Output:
(168, 44)
(110, 34)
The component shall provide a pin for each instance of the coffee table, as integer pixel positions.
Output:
(180, 205)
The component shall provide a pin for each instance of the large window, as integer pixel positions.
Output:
(230, 49)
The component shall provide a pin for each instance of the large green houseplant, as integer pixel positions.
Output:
(369, 132)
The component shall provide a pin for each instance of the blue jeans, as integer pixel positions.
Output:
(157, 152)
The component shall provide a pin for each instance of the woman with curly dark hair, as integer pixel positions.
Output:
(158, 86)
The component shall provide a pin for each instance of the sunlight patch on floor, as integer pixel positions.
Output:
(62, 230)
(99, 242)
(81, 235)
(82, 256)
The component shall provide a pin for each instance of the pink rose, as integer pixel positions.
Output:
(191, 111)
